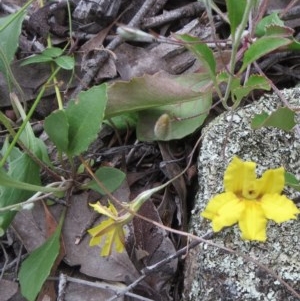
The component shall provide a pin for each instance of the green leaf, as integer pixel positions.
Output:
(279, 31)
(291, 180)
(110, 177)
(151, 91)
(282, 118)
(262, 47)
(201, 51)
(254, 82)
(295, 45)
(10, 30)
(174, 121)
(235, 11)
(39, 58)
(272, 19)
(65, 62)
(52, 52)
(123, 122)
(85, 116)
(56, 126)
(8, 181)
(75, 128)
(37, 266)
(167, 122)
(22, 169)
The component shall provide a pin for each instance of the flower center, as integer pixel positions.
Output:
(250, 192)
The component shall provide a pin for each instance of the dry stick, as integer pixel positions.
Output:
(102, 56)
(155, 267)
(289, 6)
(14, 262)
(107, 286)
(189, 10)
(159, 5)
(293, 13)
(261, 12)
(5, 261)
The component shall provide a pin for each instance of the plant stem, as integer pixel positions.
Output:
(30, 113)
(55, 82)
(236, 39)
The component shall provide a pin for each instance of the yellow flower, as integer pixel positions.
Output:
(110, 231)
(249, 201)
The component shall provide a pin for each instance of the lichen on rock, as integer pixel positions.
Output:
(212, 274)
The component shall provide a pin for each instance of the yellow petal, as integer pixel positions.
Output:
(216, 203)
(114, 238)
(109, 211)
(278, 208)
(98, 231)
(224, 210)
(253, 222)
(109, 232)
(228, 215)
(272, 181)
(240, 177)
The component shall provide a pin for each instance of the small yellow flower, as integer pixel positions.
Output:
(109, 231)
(249, 201)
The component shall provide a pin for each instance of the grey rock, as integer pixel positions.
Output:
(212, 274)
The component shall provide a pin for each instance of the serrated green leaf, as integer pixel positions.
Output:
(37, 266)
(254, 82)
(279, 31)
(258, 120)
(110, 177)
(272, 19)
(56, 126)
(65, 62)
(201, 51)
(261, 47)
(235, 11)
(85, 116)
(282, 118)
(52, 52)
(291, 180)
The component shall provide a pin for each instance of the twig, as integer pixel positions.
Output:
(103, 285)
(158, 6)
(5, 261)
(155, 267)
(14, 262)
(62, 287)
(189, 10)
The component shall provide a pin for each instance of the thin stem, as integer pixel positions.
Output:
(30, 113)
(236, 38)
(55, 82)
